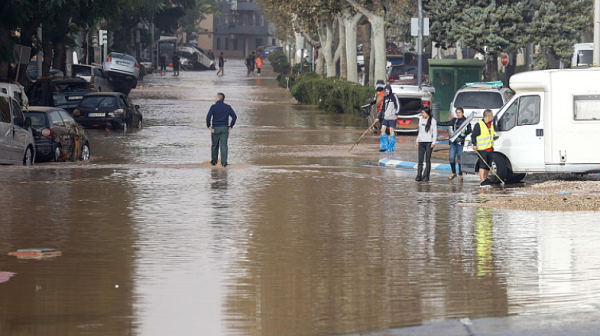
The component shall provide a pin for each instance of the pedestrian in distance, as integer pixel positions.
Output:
(425, 142)
(259, 64)
(175, 59)
(378, 102)
(482, 139)
(221, 71)
(249, 64)
(456, 146)
(162, 62)
(388, 117)
(217, 121)
(210, 54)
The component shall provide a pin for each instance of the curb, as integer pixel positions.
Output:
(412, 164)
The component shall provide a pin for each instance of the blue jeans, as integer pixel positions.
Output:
(455, 153)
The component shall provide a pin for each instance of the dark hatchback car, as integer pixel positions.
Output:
(57, 135)
(110, 110)
(65, 93)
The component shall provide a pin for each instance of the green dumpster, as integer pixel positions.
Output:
(449, 75)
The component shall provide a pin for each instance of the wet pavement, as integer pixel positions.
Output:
(296, 237)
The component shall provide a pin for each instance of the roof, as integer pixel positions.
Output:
(43, 109)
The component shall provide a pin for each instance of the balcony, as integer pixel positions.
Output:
(243, 6)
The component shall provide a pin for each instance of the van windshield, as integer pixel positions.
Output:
(585, 57)
(479, 100)
(81, 71)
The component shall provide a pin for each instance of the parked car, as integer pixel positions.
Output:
(57, 135)
(122, 70)
(268, 50)
(405, 75)
(93, 74)
(16, 140)
(412, 99)
(15, 90)
(112, 110)
(65, 93)
(476, 97)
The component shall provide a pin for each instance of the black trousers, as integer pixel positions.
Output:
(424, 156)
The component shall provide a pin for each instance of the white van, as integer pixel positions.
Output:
(17, 144)
(551, 125)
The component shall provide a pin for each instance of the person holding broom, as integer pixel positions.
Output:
(483, 142)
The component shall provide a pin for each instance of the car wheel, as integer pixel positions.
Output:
(500, 165)
(28, 157)
(56, 154)
(85, 152)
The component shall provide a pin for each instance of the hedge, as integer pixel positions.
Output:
(331, 94)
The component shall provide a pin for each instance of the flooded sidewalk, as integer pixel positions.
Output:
(296, 236)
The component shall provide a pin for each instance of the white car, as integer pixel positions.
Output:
(477, 97)
(16, 141)
(122, 70)
(93, 74)
(15, 90)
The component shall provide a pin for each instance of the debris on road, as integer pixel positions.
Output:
(36, 253)
(5, 276)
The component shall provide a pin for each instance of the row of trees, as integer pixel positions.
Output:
(62, 19)
(490, 27)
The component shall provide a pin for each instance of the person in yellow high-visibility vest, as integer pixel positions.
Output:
(483, 142)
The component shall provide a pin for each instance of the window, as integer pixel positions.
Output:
(262, 21)
(69, 122)
(4, 110)
(523, 111)
(218, 43)
(479, 99)
(509, 118)
(586, 107)
(226, 44)
(529, 110)
(38, 119)
(217, 20)
(18, 118)
(55, 119)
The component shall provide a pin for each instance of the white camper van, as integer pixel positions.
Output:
(551, 125)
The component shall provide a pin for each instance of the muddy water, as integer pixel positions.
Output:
(295, 237)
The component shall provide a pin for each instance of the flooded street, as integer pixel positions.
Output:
(295, 237)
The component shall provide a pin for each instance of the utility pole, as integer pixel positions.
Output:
(596, 59)
(420, 46)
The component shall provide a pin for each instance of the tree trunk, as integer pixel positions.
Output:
(377, 23)
(342, 52)
(326, 36)
(350, 24)
(60, 54)
(320, 66)
(490, 72)
(372, 60)
(5, 49)
(367, 55)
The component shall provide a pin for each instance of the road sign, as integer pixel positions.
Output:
(504, 60)
(414, 26)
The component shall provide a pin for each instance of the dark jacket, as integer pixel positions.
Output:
(221, 62)
(454, 123)
(218, 115)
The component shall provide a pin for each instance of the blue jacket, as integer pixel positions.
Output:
(218, 115)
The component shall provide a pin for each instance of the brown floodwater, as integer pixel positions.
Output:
(296, 237)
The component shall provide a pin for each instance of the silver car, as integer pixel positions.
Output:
(16, 141)
(122, 67)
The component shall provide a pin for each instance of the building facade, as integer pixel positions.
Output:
(239, 29)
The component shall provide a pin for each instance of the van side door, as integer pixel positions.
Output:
(5, 129)
(520, 128)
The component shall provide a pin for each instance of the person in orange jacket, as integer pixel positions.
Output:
(259, 64)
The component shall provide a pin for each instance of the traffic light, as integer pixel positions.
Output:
(102, 37)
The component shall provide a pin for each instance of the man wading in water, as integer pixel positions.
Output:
(217, 121)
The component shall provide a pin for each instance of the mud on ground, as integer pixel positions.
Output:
(551, 193)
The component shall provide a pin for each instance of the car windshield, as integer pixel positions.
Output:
(38, 119)
(99, 101)
(479, 100)
(81, 70)
(72, 86)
